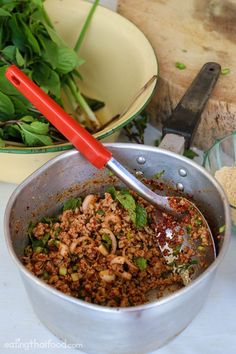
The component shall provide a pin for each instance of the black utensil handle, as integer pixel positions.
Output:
(186, 116)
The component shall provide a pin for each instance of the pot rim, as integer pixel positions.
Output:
(129, 309)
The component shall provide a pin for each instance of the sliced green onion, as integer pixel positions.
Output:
(222, 229)
(180, 66)
(225, 71)
(75, 276)
(62, 270)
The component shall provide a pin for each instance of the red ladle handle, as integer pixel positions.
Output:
(91, 148)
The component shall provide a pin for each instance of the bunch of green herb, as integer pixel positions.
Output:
(29, 40)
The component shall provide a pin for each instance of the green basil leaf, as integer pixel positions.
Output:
(4, 13)
(31, 39)
(38, 127)
(19, 59)
(54, 36)
(50, 53)
(141, 217)
(27, 119)
(9, 52)
(20, 106)
(17, 35)
(12, 131)
(47, 79)
(72, 204)
(7, 109)
(5, 86)
(30, 138)
(67, 60)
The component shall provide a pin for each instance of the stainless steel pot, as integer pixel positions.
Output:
(103, 330)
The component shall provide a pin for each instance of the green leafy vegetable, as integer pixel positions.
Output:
(29, 40)
(72, 204)
(141, 216)
(126, 200)
(141, 263)
(112, 192)
(190, 153)
(180, 66)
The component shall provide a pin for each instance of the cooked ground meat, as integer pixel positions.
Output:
(104, 250)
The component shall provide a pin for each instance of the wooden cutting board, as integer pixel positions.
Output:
(192, 32)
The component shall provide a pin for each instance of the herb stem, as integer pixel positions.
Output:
(83, 104)
(85, 26)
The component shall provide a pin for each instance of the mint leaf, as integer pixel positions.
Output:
(72, 204)
(126, 200)
(111, 191)
(141, 217)
(19, 59)
(141, 263)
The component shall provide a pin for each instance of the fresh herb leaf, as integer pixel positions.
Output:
(141, 263)
(7, 109)
(157, 142)
(4, 13)
(72, 204)
(112, 192)
(28, 40)
(32, 138)
(67, 60)
(141, 217)
(126, 200)
(190, 153)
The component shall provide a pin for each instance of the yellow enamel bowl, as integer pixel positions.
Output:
(119, 62)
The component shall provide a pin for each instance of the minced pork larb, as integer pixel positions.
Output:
(104, 250)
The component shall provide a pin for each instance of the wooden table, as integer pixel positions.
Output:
(191, 32)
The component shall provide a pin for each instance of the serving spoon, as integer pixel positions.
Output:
(99, 156)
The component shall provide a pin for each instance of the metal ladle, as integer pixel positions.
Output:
(98, 155)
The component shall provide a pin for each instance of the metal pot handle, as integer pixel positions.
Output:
(186, 116)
